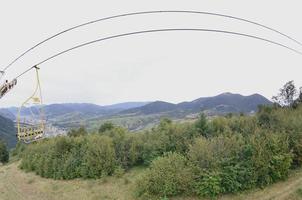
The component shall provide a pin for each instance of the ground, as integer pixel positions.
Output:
(16, 184)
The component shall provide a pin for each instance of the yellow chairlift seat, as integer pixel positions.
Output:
(29, 134)
(32, 129)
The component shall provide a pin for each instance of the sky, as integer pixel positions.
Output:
(171, 66)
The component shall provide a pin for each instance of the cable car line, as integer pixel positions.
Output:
(159, 30)
(144, 13)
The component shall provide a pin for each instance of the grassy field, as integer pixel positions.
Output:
(18, 185)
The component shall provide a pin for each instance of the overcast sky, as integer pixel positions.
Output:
(174, 66)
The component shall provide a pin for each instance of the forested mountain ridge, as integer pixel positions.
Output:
(81, 110)
(7, 132)
(139, 115)
(220, 104)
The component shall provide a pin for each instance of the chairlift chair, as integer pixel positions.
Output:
(33, 126)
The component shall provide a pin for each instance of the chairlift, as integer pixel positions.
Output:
(7, 86)
(31, 125)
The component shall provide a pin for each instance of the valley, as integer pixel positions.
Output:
(142, 115)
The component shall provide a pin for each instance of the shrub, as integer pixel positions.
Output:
(267, 117)
(127, 146)
(236, 153)
(239, 163)
(18, 150)
(99, 159)
(271, 157)
(91, 156)
(119, 172)
(299, 192)
(4, 154)
(167, 137)
(212, 153)
(107, 126)
(77, 132)
(219, 165)
(210, 185)
(202, 125)
(167, 176)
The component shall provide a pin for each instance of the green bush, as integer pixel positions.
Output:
(168, 176)
(107, 126)
(18, 150)
(271, 157)
(205, 158)
(210, 185)
(77, 132)
(91, 156)
(202, 125)
(240, 162)
(167, 137)
(4, 154)
(127, 146)
(212, 153)
(99, 159)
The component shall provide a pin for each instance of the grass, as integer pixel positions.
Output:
(16, 184)
(299, 192)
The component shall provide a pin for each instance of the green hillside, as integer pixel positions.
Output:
(142, 115)
(16, 184)
(7, 132)
(226, 155)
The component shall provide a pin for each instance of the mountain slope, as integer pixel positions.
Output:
(151, 108)
(220, 104)
(126, 105)
(7, 132)
(72, 110)
(139, 115)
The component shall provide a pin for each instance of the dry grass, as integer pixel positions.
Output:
(16, 184)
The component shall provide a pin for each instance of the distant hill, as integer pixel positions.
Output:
(72, 110)
(8, 132)
(7, 113)
(220, 104)
(139, 115)
(151, 108)
(149, 115)
(126, 105)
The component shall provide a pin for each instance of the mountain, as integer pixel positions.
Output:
(72, 110)
(226, 102)
(126, 105)
(150, 114)
(151, 108)
(220, 104)
(7, 113)
(8, 132)
(139, 115)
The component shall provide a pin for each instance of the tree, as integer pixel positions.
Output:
(78, 132)
(100, 158)
(4, 155)
(202, 125)
(107, 126)
(164, 124)
(286, 96)
(299, 99)
(168, 175)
